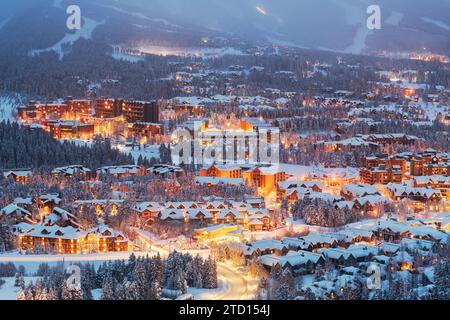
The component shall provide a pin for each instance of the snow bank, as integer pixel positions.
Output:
(8, 291)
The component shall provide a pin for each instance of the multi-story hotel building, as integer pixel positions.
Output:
(108, 108)
(69, 129)
(68, 240)
(385, 168)
(132, 111)
(266, 178)
(70, 109)
(250, 141)
(381, 175)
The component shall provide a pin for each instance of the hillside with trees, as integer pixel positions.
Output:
(22, 147)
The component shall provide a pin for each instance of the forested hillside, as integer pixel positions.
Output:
(27, 148)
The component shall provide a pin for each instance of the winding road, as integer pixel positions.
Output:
(236, 284)
(232, 284)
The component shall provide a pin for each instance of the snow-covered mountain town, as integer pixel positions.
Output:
(146, 157)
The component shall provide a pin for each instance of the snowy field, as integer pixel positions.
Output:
(300, 172)
(32, 262)
(147, 152)
(8, 291)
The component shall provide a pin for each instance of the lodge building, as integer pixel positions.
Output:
(131, 110)
(68, 240)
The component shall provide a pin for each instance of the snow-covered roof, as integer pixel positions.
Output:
(359, 190)
(18, 173)
(56, 232)
(150, 206)
(70, 170)
(14, 209)
(194, 214)
(173, 214)
(403, 256)
(265, 244)
(372, 200)
(416, 244)
(216, 181)
(399, 190)
(389, 247)
(234, 212)
(50, 198)
(293, 258)
(289, 184)
(117, 170)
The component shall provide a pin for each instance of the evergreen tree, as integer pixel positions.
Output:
(71, 292)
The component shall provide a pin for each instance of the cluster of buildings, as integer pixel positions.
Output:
(86, 174)
(42, 226)
(264, 178)
(388, 245)
(422, 169)
(362, 198)
(250, 214)
(85, 118)
(69, 240)
(372, 142)
(237, 142)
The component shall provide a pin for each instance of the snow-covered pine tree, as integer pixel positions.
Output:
(19, 281)
(70, 292)
(108, 290)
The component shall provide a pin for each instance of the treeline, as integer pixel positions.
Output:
(22, 147)
(142, 278)
(318, 212)
(8, 270)
(7, 239)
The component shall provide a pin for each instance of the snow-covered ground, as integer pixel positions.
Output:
(211, 294)
(8, 291)
(96, 294)
(85, 32)
(437, 23)
(147, 152)
(355, 16)
(32, 262)
(233, 285)
(300, 172)
(195, 52)
(126, 57)
(431, 109)
(8, 106)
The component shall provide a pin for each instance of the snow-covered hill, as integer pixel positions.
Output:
(338, 25)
